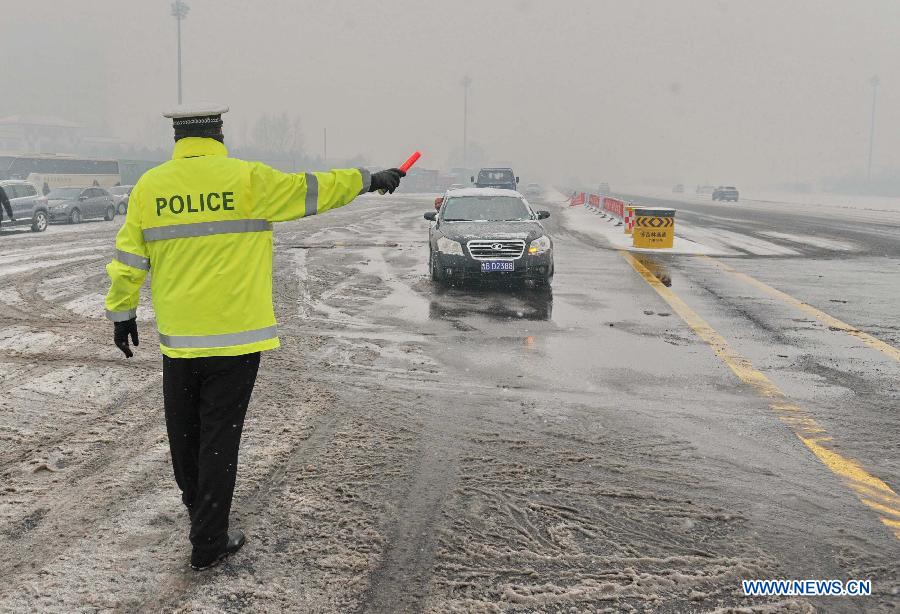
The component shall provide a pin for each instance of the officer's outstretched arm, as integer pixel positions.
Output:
(129, 266)
(279, 197)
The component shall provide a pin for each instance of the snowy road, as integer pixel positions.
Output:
(417, 449)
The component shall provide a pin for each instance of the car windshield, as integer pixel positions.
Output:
(488, 176)
(61, 193)
(485, 208)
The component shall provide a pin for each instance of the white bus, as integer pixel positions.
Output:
(59, 171)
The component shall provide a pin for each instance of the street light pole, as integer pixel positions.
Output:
(180, 10)
(466, 82)
(874, 82)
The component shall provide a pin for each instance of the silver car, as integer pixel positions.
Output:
(29, 207)
(120, 194)
(74, 205)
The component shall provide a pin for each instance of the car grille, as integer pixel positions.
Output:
(496, 249)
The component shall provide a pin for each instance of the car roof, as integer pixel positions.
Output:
(483, 192)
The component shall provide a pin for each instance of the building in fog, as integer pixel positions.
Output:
(40, 134)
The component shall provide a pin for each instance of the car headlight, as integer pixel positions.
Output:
(448, 246)
(540, 245)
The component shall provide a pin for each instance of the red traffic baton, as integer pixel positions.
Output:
(410, 161)
(407, 165)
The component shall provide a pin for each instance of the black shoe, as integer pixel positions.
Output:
(236, 539)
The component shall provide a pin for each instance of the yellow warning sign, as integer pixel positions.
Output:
(654, 228)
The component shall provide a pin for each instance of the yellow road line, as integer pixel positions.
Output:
(871, 491)
(820, 315)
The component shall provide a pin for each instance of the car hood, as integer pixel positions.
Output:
(460, 231)
(56, 202)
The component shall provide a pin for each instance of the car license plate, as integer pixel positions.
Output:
(488, 267)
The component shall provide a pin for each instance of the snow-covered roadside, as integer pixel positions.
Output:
(841, 206)
(611, 230)
(694, 239)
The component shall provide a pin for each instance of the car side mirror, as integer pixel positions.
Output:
(517, 180)
(82, 197)
(431, 216)
(543, 215)
(472, 178)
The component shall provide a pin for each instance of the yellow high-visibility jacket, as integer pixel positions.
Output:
(202, 223)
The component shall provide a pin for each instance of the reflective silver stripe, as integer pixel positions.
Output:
(366, 178)
(121, 316)
(133, 260)
(205, 229)
(312, 194)
(217, 341)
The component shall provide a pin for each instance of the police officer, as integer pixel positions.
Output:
(4, 204)
(203, 221)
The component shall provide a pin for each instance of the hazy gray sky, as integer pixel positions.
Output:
(751, 91)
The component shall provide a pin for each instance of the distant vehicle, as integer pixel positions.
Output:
(59, 171)
(500, 178)
(28, 207)
(678, 189)
(534, 192)
(705, 189)
(603, 189)
(74, 205)
(487, 234)
(120, 194)
(724, 193)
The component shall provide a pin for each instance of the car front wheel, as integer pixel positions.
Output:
(75, 216)
(123, 208)
(39, 222)
(110, 213)
(436, 274)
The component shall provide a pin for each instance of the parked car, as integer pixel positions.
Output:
(501, 178)
(120, 194)
(488, 234)
(74, 205)
(603, 189)
(726, 192)
(28, 207)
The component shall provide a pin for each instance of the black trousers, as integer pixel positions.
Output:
(206, 400)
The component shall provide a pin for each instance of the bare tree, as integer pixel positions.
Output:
(279, 135)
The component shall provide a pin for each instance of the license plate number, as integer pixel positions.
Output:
(489, 267)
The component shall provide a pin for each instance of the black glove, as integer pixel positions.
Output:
(121, 330)
(387, 180)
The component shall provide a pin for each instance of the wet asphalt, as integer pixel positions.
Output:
(603, 345)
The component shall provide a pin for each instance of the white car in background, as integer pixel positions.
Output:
(120, 194)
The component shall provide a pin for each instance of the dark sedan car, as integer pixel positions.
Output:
(74, 205)
(486, 234)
